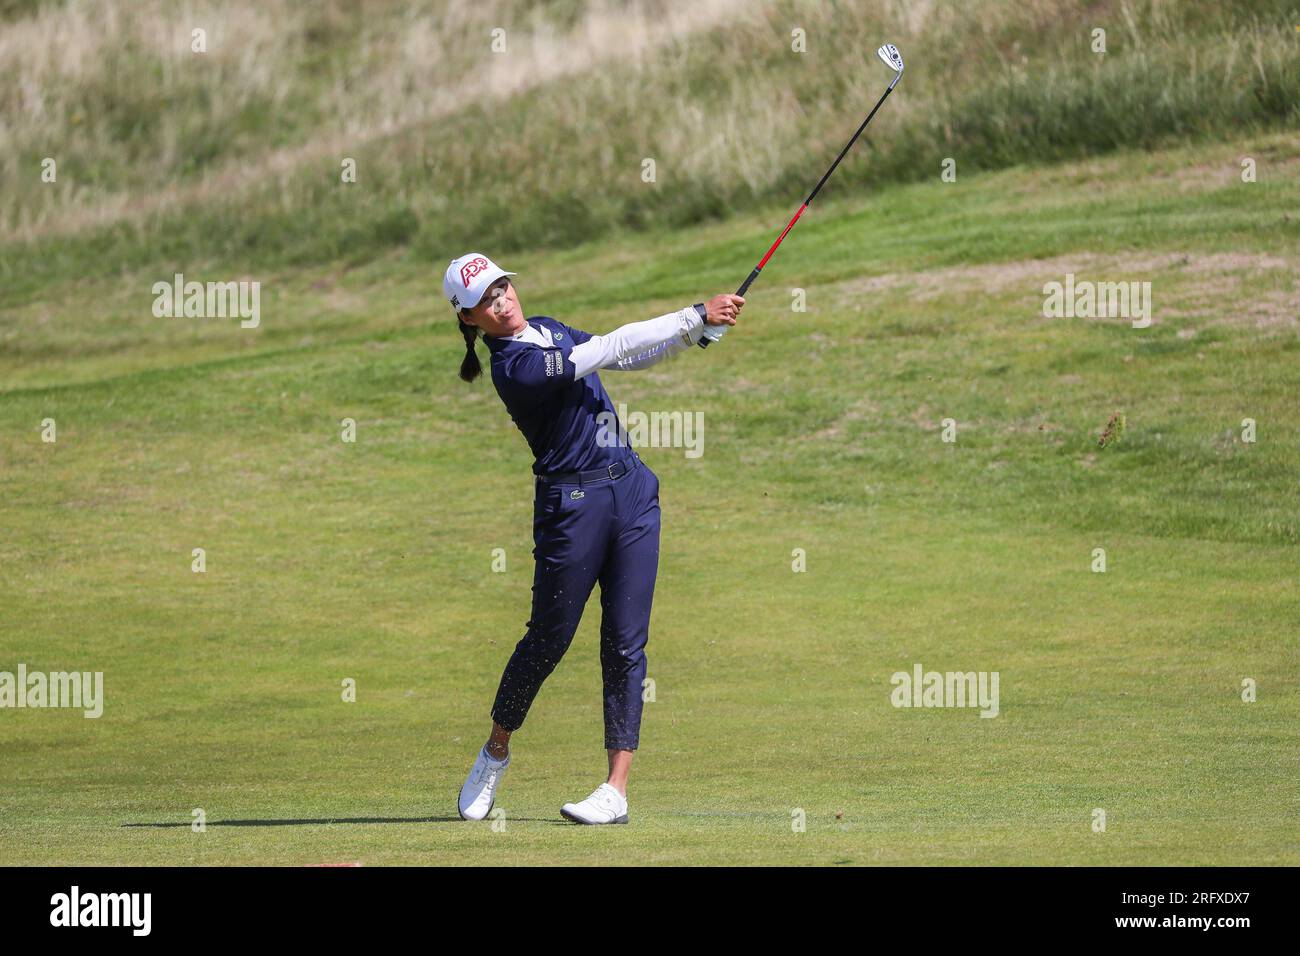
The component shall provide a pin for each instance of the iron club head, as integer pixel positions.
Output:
(893, 59)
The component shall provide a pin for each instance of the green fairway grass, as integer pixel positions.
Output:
(1119, 691)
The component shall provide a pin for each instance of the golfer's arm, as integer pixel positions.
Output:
(638, 345)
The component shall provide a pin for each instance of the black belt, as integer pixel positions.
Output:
(617, 470)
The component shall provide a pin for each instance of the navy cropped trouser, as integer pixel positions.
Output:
(604, 531)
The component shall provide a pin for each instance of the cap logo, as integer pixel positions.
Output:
(472, 268)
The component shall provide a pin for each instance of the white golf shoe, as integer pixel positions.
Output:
(480, 789)
(605, 805)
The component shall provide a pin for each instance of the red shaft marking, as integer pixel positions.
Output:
(788, 227)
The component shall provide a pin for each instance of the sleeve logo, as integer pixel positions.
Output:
(554, 363)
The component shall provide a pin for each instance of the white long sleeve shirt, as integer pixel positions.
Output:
(630, 347)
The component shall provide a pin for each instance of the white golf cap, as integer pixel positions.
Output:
(468, 277)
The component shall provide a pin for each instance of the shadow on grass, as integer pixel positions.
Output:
(327, 821)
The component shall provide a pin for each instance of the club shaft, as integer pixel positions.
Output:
(816, 189)
(744, 287)
(848, 146)
(771, 249)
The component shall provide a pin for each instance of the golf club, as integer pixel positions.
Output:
(894, 60)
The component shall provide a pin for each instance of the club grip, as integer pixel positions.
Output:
(714, 332)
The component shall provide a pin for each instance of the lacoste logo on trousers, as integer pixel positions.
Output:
(577, 493)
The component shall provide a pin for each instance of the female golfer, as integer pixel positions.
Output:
(595, 513)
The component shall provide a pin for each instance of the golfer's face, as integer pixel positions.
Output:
(498, 312)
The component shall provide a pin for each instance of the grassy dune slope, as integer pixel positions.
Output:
(326, 560)
(231, 158)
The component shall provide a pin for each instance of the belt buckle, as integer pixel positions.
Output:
(610, 470)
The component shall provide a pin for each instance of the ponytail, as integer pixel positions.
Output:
(470, 368)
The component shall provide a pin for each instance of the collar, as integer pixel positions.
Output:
(532, 334)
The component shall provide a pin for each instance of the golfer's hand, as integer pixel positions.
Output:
(723, 309)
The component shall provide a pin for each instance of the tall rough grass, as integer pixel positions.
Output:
(233, 155)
